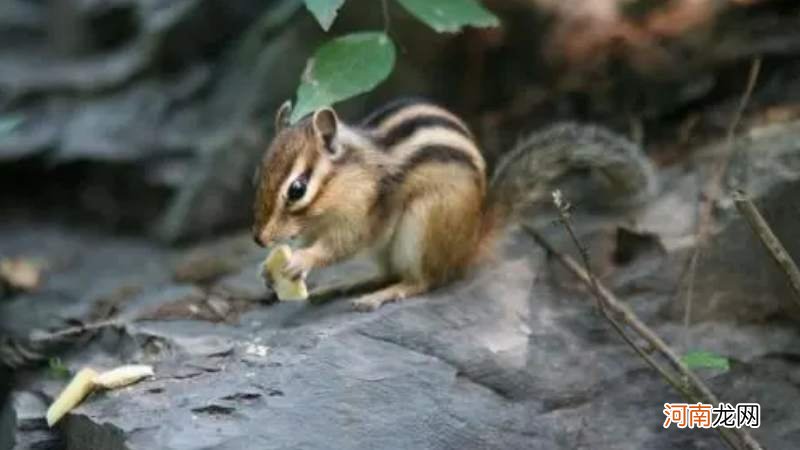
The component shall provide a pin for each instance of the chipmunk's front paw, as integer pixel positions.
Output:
(298, 266)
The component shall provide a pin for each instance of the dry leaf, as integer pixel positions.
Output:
(20, 274)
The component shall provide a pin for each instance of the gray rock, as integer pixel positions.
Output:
(504, 359)
(32, 431)
(736, 277)
(514, 356)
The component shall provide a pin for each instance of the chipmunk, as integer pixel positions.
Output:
(408, 187)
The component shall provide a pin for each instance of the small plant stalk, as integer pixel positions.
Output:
(771, 242)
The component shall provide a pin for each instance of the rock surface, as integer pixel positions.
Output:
(736, 278)
(506, 359)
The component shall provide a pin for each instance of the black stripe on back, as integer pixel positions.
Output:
(390, 108)
(405, 129)
(389, 183)
(437, 153)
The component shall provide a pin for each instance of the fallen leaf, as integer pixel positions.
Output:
(705, 360)
(20, 274)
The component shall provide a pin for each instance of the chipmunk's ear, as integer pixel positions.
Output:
(282, 116)
(325, 125)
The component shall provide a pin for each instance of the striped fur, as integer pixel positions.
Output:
(412, 116)
(404, 130)
(409, 174)
(408, 186)
(377, 116)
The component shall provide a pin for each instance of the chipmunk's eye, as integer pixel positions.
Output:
(298, 188)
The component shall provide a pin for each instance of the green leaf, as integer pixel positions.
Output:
(325, 11)
(706, 360)
(58, 369)
(343, 68)
(10, 123)
(451, 15)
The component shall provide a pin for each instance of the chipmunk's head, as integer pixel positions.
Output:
(293, 173)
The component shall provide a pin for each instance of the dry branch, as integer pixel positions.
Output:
(771, 242)
(76, 330)
(712, 192)
(622, 318)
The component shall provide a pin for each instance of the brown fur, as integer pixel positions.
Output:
(447, 199)
(424, 205)
(410, 187)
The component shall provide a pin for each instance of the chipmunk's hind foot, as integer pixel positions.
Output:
(392, 293)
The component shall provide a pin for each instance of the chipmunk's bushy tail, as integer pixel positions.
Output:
(528, 173)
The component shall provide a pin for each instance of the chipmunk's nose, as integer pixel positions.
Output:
(258, 240)
(262, 239)
(258, 236)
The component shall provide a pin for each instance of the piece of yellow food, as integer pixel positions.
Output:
(286, 289)
(77, 389)
(87, 380)
(123, 376)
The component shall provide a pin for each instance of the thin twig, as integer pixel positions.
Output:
(723, 161)
(725, 158)
(771, 242)
(622, 318)
(687, 314)
(713, 190)
(70, 331)
(563, 208)
(386, 19)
